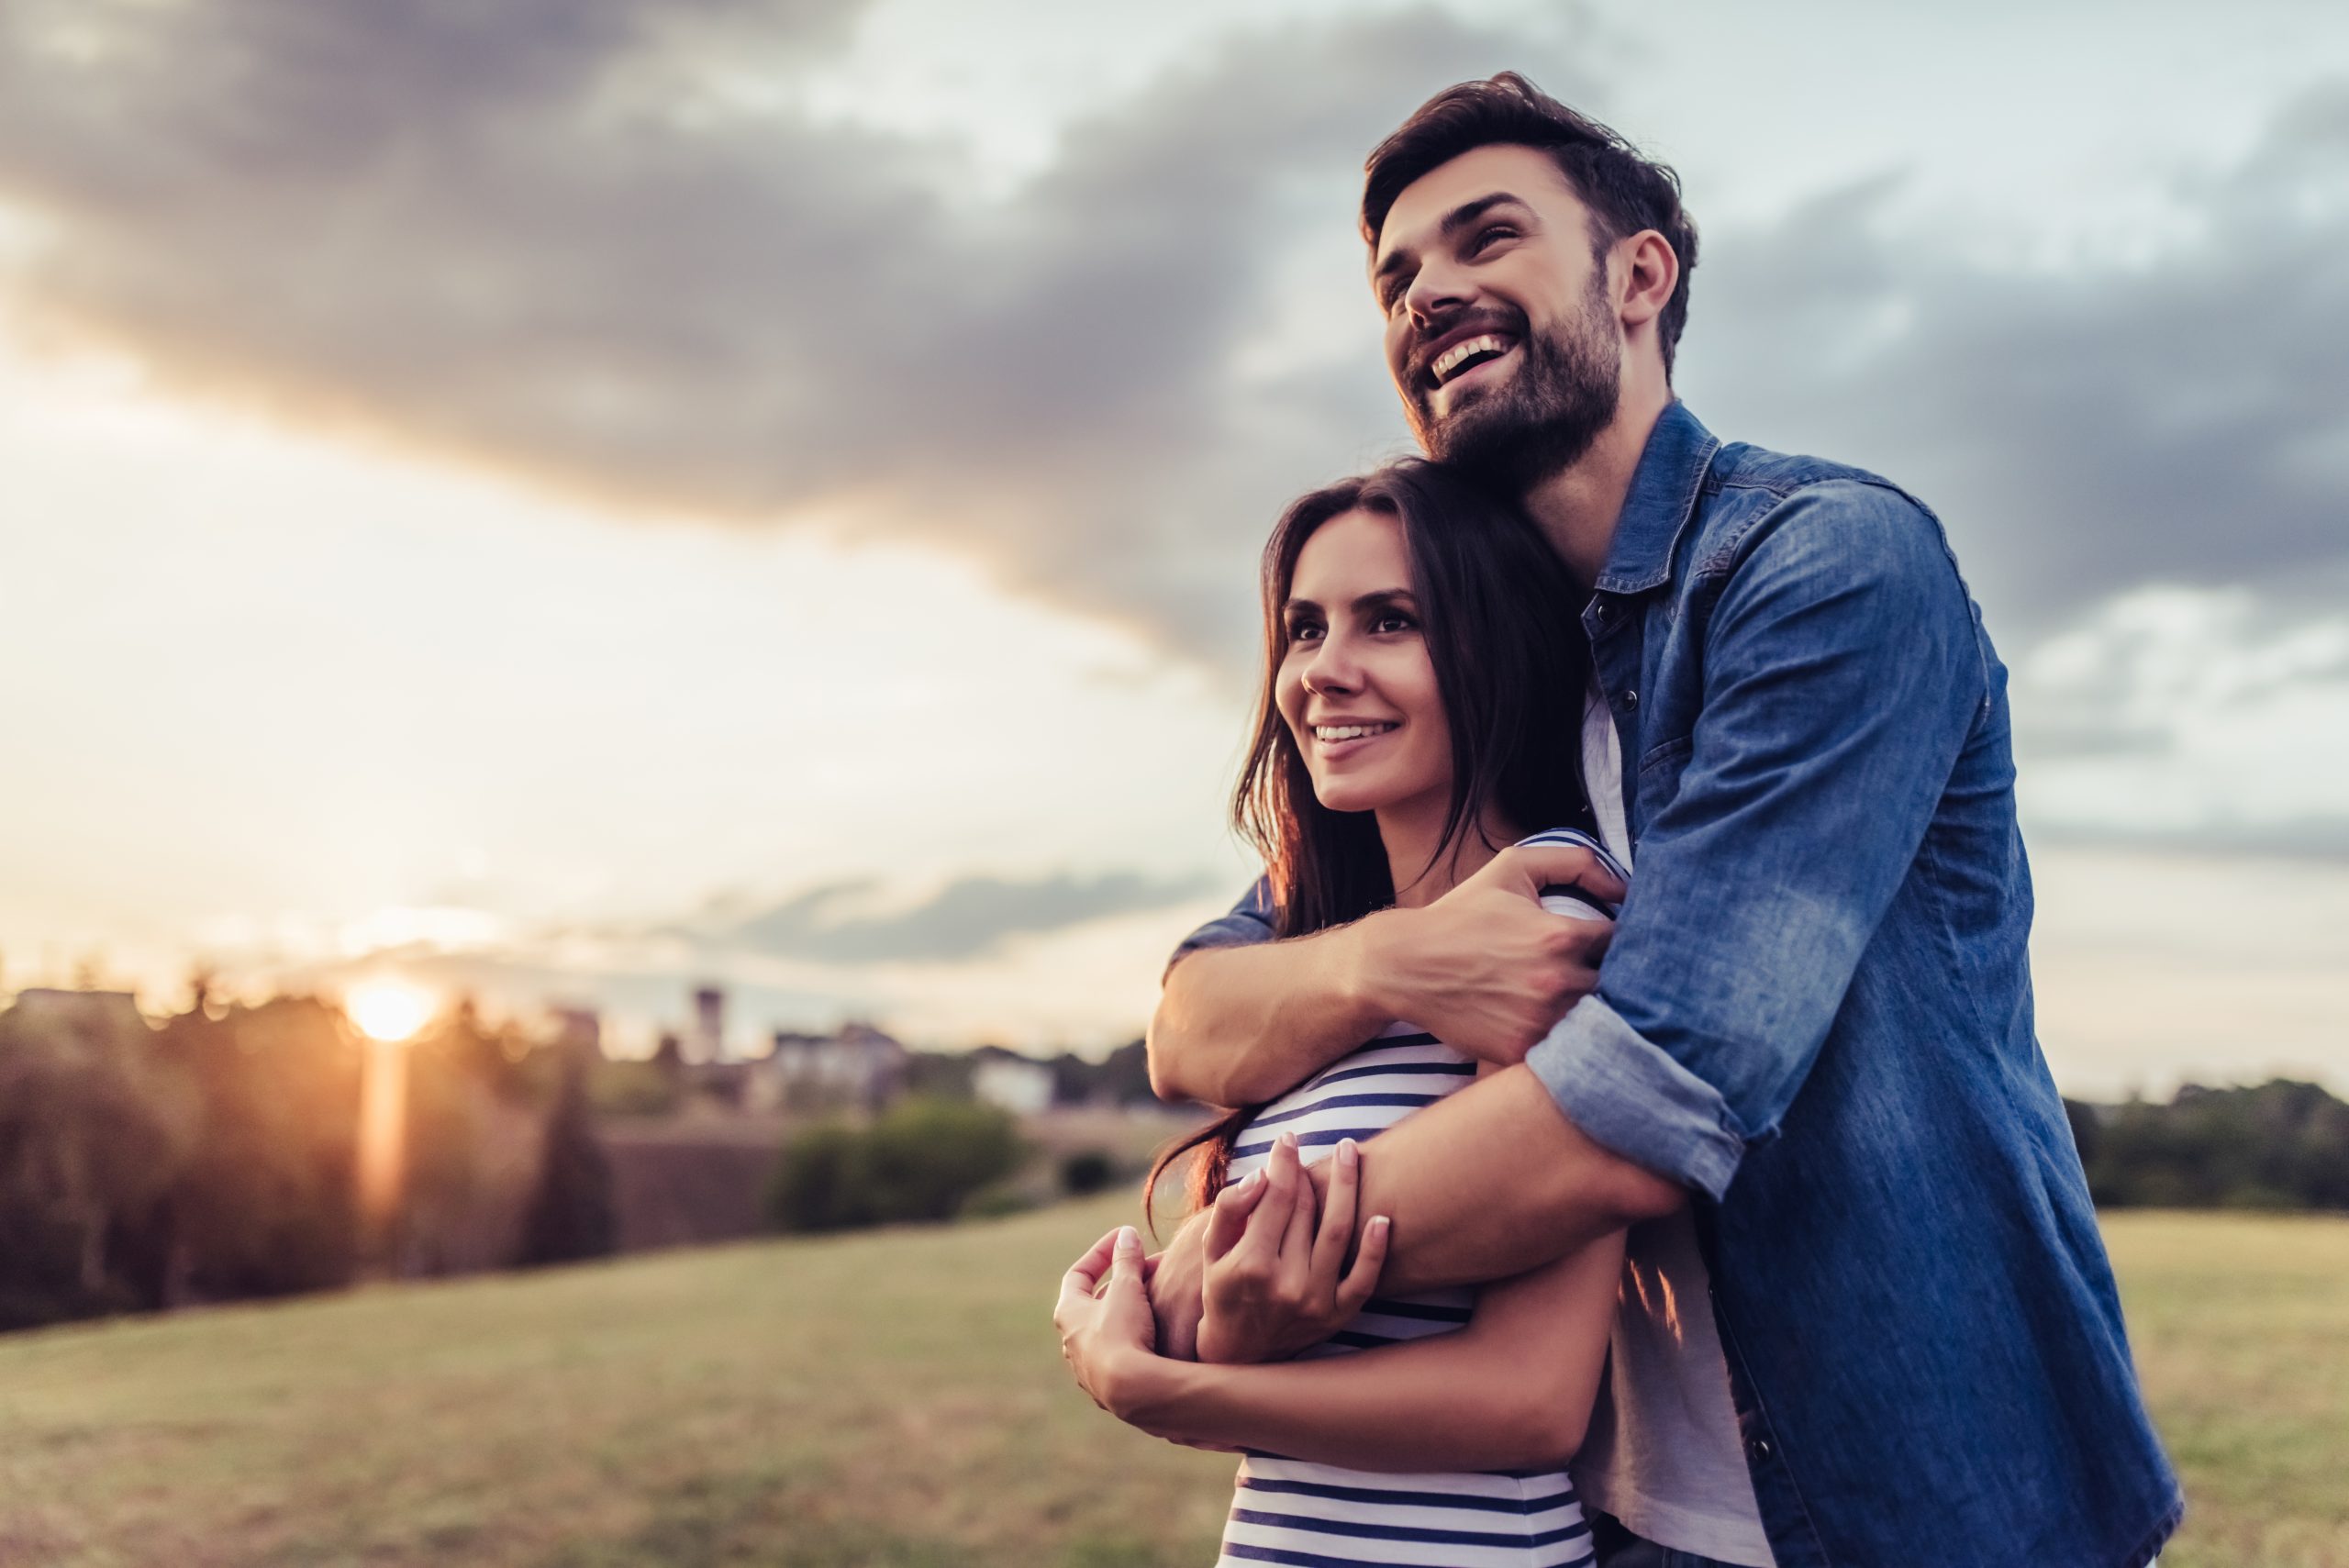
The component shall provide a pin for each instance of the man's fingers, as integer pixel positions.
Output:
(1336, 1232)
(1362, 1280)
(1536, 866)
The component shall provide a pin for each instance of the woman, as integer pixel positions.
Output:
(1409, 727)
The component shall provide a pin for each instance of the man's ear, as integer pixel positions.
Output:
(1650, 272)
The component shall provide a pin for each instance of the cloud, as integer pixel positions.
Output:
(2204, 718)
(2178, 418)
(548, 237)
(605, 244)
(970, 917)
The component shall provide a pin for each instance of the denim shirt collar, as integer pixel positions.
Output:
(1662, 498)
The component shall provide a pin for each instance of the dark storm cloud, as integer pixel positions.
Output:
(2183, 418)
(967, 919)
(537, 235)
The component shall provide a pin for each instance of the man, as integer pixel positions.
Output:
(1867, 1319)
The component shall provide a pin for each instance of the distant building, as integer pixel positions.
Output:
(579, 1033)
(709, 1024)
(92, 1012)
(1020, 1085)
(855, 1066)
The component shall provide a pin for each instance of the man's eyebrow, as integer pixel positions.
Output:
(1453, 222)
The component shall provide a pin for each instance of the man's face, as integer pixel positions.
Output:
(1501, 331)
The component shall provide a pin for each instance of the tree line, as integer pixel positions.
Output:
(214, 1157)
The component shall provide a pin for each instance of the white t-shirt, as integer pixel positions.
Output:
(1663, 1454)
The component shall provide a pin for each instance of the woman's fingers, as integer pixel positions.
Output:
(1228, 1221)
(1370, 1258)
(1336, 1232)
(1258, 1250)
(1085, 1274)
(1296, 1239)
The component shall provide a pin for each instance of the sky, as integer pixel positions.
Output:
(569, 499)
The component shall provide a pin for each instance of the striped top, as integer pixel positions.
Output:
(1323, 1515)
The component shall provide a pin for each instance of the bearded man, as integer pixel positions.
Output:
(1866, 1317)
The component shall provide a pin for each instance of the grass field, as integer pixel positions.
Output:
(894, 1400)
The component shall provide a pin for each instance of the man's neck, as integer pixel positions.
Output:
(1578, 507)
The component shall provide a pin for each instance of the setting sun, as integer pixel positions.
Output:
(388, 1009)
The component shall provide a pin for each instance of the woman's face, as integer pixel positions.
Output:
(1356, 683)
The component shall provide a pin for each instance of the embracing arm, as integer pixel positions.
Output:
(1241, 1024)
(1512, 1389)
(1244, 1019)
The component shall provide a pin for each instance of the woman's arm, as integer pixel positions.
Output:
(1512, 1389)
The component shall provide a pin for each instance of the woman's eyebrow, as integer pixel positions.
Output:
(1385, 599)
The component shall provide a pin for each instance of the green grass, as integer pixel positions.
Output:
(889, 1401)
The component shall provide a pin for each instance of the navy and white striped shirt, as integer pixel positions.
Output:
(1324, 1516)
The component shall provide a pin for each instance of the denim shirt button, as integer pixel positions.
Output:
(1629, 702)
(1759, 1448)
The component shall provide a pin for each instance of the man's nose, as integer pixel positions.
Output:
(1438, 290)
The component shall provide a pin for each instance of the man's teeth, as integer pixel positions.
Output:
(1467, 348)
(1348, 731)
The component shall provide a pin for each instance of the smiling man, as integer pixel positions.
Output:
(1866, 1317)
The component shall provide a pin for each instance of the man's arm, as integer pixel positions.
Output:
(1492, 1182)
(1485, 968)
(1243, 1023)
(1844, 675)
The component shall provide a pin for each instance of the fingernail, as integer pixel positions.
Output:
(1378, 1222)
(1129, 1239)
(1288, 1140)
(1252, 1178)
(1347, 1152)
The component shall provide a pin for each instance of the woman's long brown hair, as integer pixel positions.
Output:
(1496, 610)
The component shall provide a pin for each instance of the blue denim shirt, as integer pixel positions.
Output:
(1817, 1013)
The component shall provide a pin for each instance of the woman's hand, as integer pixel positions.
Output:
(1107, 1330)
(1277, 1280)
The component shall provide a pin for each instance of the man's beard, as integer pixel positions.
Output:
(1544, 418)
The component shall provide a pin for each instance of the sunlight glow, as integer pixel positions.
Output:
(388, 1009)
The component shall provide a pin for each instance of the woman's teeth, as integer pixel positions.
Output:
(1349, 731)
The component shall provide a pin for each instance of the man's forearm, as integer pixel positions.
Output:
(1239, 1026)
(1495, 1181)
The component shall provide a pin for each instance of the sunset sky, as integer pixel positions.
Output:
(569, 499)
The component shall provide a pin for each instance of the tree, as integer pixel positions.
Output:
(571, 1216)
(92, 1135)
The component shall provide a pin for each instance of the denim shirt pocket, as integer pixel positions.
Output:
(1659, 776)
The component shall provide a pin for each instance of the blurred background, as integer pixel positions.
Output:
(626, 622)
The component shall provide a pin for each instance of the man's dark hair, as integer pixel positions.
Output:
(1624, 192)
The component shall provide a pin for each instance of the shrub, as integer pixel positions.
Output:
(922, 1160)
(1086, 1171)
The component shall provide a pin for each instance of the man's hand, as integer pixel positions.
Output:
(1276, 1279)
(1486, 969)
(1176, 1298)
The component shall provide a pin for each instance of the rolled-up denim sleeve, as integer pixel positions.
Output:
(1844, 673)
(1250, 920)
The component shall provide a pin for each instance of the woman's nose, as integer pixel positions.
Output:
(1331, 669)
